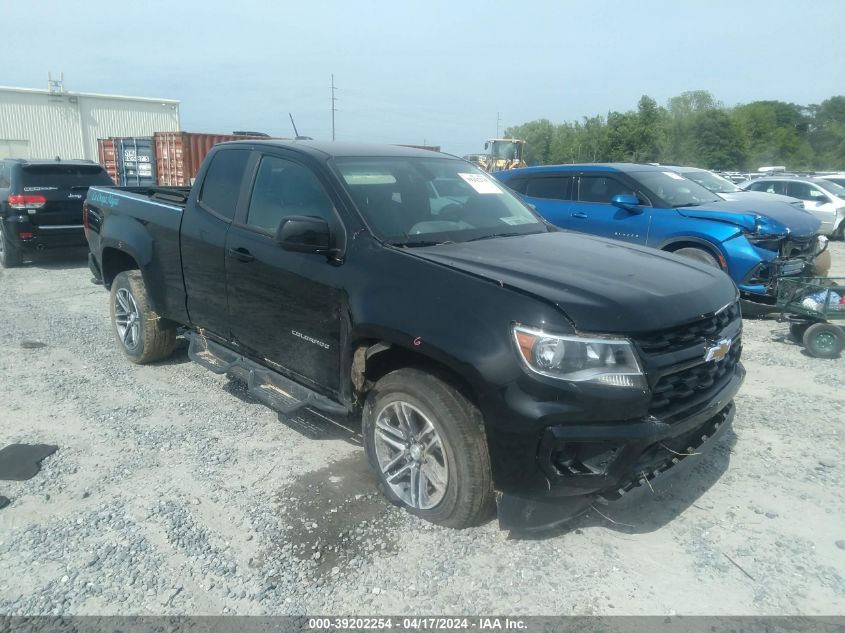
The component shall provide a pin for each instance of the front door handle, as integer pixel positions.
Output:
(579, 214)
(241, 254)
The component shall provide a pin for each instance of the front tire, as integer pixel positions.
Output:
(141, 333)
(700, 255)
(11, 255)
(425, 443)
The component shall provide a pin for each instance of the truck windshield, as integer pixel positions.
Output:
(711, 181)
(673, 190)
(425, 201)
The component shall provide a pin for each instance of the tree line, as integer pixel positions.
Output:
(696, 129)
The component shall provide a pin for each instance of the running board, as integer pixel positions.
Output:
(270, 387)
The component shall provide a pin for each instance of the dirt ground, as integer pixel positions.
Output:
(173, 491)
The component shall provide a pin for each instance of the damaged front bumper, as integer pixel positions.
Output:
(585, 463)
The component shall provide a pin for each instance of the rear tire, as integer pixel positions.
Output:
(824, 340)
(699, 255)
(141, 333)
(10, 255)
(451, 458)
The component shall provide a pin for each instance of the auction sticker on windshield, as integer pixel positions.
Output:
(480, 183)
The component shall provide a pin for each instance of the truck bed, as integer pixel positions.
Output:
(177, 196)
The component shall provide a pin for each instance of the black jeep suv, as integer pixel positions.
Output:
(41, 204)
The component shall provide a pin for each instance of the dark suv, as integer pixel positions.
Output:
(41, 204)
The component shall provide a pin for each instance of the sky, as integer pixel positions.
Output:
(436, 72)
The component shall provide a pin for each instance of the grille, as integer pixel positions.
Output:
(675, 392)
(688, 335)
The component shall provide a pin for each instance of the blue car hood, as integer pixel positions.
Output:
(769, 218)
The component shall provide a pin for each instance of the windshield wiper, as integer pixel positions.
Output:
(415, 243)
(490, 237)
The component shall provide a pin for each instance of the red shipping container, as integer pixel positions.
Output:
(107, 157)
(180, 154)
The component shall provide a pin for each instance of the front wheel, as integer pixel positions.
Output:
(141, 333)
(699, 255)
(425, 442)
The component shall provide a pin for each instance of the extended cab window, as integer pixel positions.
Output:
(282, 189)
(222, 184)
(557, 188)
(600, 189)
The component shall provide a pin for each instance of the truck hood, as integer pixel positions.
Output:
(600, 285)
(755, 216)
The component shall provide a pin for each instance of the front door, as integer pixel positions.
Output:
(284, 307)
(594, 213)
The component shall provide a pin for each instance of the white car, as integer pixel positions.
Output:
(726, 189)
(822, 197)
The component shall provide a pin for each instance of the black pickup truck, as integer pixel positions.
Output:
(489, 356)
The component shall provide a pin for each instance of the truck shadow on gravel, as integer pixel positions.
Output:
(647, 509)
(337, 518)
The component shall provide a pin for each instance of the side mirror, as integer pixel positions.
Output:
(304, 234)
(626, 201)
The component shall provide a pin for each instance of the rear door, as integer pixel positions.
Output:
(551, 195)
(284, 306)
(203, 238)
(594, 213)
(62, 188)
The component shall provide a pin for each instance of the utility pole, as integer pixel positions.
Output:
(498, 121)
(334, 99)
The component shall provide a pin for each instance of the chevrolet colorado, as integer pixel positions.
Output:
(490, 356)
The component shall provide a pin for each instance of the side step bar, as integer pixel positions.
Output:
(270, 387)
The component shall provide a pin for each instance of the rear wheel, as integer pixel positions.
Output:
(10, 255)
(425, 442)
(824, 340)
(141, 333)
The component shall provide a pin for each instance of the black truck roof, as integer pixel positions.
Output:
(332, 149)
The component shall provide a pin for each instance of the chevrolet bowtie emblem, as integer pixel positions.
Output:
(718, 351)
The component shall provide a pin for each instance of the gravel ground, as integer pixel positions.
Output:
(174, 492)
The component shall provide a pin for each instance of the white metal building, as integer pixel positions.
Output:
(50, 123)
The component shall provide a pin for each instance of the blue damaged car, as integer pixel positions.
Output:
(754, 242)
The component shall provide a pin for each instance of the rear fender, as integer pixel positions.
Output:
(128, 235)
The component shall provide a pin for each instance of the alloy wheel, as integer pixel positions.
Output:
(411, 455)
(127, 318)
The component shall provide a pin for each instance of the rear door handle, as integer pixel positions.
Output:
(579, 214)
(241, 254)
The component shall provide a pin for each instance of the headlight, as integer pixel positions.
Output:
(605, 361)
